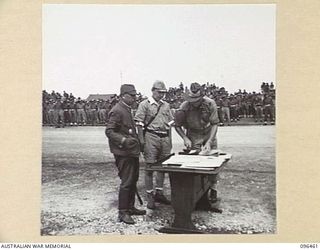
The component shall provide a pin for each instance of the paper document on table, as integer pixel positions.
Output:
(196, 161)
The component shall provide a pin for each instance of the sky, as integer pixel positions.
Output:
(93, 49)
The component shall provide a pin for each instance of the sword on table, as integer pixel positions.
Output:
(161, 160)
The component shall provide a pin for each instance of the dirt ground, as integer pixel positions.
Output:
(80, 185)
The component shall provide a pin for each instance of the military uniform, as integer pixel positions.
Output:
(81, 114)
(198, 121)
(93, 113)
(51, 112)
(124, 144)
(219, 107)
(73, 113)
(258, 108)
(157, 140)
(225, 109)
(102, 111)
(58, 113)
(157, 133)
(268, 105)
(233, 109)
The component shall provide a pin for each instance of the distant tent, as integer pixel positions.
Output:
(105, 97)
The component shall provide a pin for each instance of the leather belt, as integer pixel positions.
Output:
(161, 134)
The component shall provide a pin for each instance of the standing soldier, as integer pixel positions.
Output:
(258, 108)
(45, 112)
(91, 110)
(87, 108)
(225, 109)
(59, 116)
(219, 107)
(94, 113)
(124, 144)
(245, 106)
(239, 104)
(51, 112)
(233, 108)
(72, 113)
(199, 116)
(81, 114)
(268, 109)
(153, 119)
(108, 108)
(66, 107)
(102, 111)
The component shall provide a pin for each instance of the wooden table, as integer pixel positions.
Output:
(188, 186)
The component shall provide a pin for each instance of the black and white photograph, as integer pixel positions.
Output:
(158, 119)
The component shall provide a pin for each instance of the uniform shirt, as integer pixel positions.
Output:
(233, 102)
(94, 106)
(73, 105)
(87, 106)
(258, 101)
(80, 105)
(200, 117)
(219, 103)
(102, 105)
(64, 105)
(148, 108)
(58, 105)
(225, 102)
(268, 101)
(51, 106)
(120, 126)
(45, 106)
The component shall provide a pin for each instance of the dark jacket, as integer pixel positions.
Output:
(120, 126)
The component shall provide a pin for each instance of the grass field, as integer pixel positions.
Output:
(80, 185)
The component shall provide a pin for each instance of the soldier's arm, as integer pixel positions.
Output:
(140, 121)
(213, 133)
(112, 129)
(179, 121)
(171, 117)
(214, 120)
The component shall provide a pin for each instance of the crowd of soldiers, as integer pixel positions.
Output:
(64, 109)
(61, 110)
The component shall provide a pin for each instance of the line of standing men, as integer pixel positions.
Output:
(62, 112)
(153, 121)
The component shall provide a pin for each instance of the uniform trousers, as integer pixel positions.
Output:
(82, 118)
(258, 110)
(199, 138)
(155, 148)
(268, 112)
(226, 113)
(128, 171)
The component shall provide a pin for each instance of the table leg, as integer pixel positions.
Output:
(183, 200)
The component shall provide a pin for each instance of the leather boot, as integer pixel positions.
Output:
(214, 201)
(159, 197)
(125, 217)
(136, 211)
(124, 199)
(132, 198)
(133, 210)
(150, 201)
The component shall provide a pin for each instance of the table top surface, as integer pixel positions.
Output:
(198, 164)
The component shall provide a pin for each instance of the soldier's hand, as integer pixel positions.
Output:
(206, 147)
(187, 143)
(130, 143)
